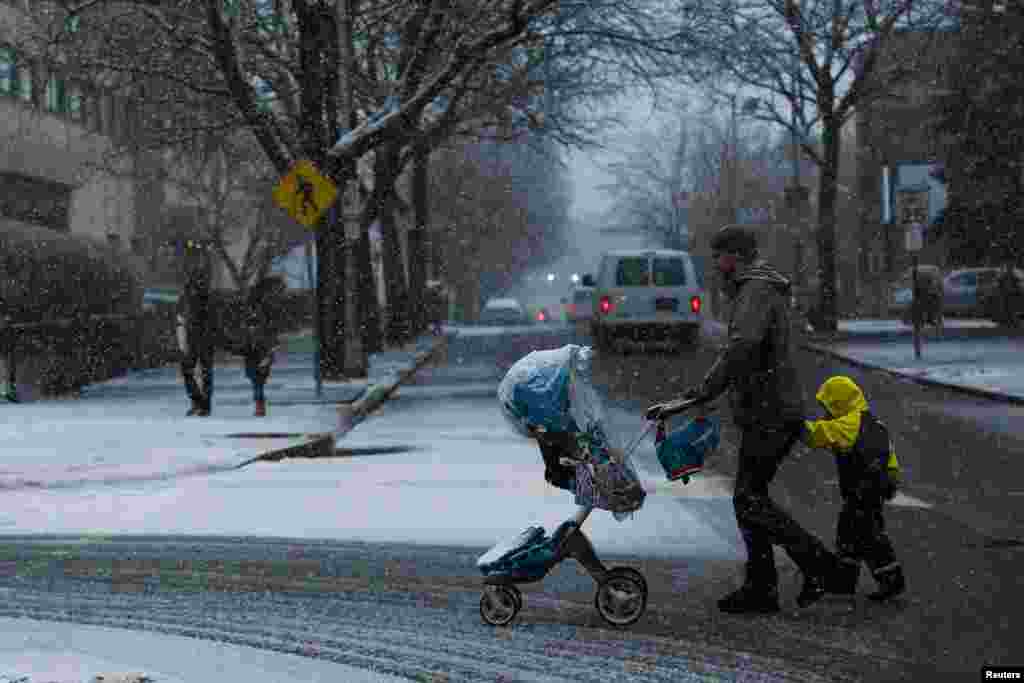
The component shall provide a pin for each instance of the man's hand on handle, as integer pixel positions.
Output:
(662, 411)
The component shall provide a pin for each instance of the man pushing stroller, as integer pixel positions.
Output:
(767, 404)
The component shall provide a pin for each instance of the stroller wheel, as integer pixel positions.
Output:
(629, 571)
(500, 604)
(622, 597)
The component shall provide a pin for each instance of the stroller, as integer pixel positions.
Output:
(550, 392)
(621, 596)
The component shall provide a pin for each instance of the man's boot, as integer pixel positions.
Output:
(261, 409)
(751, 599)
(843, 581)
(890, 583)
(812, 591)
(195, 409)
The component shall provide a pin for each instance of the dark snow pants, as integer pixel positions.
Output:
(860, 533)
(257, 369)
(761, 521)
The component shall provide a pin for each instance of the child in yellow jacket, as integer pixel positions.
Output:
(869, 475)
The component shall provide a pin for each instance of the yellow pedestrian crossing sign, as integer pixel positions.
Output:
(305, 193)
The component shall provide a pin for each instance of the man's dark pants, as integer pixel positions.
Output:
(201, 354)
(761, 521)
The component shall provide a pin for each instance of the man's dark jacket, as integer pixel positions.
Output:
(757, 362)
(198, 307)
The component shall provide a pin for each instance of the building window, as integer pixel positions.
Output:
(15, 76)
(75, 103)
(8, 71)
(268, 19)
(56, 96)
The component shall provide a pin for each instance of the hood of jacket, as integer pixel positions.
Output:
(760, 270)
(841, 396)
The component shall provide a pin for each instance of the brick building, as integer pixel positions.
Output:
(55, 134)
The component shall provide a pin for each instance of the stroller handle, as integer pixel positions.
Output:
(680, 406)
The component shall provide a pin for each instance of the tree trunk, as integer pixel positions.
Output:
(330, 297)
(367, 290)
(418, 248)
(394, 270)
(827, 193)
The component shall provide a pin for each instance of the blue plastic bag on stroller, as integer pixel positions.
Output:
(551, 391)
(682, 451)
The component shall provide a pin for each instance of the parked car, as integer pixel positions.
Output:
(503, 311)
(995, 304)
(538, 314)
(647, 293)
(966, 292)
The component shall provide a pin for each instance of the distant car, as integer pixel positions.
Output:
(580, 304)
(654, 293)
(504, 312)
(543, 314)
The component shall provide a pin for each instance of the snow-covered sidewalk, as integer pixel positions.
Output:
(134, 428)
(989, 365)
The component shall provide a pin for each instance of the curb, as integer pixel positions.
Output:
(972, 391)
(322, 445)
(351, 414)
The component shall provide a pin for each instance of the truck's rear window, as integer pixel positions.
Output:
(669, 272)
(633, 271)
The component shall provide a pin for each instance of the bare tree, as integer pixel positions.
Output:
(815, 62)
(491, 216)
(648, 181)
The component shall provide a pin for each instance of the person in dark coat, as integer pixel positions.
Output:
(262, 320)
(1010, 298)
(928, 301)
(767, 405)
(196, 339)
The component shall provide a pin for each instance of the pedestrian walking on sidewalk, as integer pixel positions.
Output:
(869, 475)
(262, 321)
(767, 405)
(196, 340)
(1010, 307)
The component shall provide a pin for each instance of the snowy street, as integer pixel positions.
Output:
(367, 560)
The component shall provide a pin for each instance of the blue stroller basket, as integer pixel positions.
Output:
(682, 451)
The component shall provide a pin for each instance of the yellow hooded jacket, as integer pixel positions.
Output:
(845, 403)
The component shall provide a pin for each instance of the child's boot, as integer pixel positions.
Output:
(261, 409)
(890, 583)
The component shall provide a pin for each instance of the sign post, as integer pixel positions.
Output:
(913, 213)
(307, 195)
